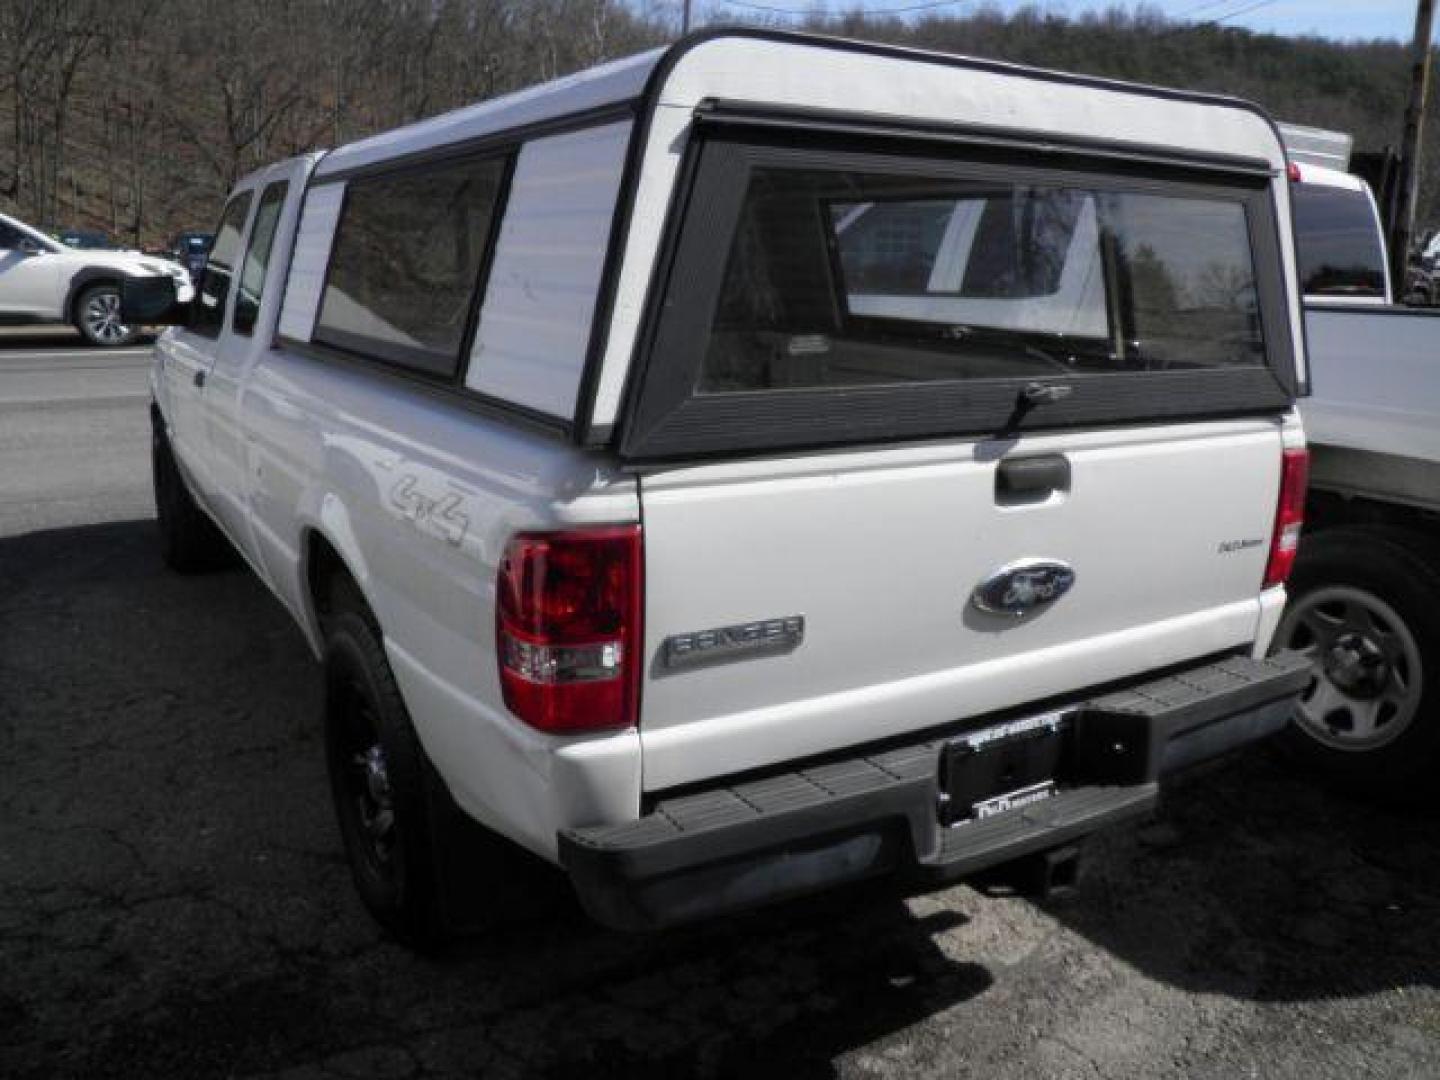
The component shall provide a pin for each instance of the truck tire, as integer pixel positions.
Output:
(97, 317)
(190, 543)
(1365, 603)
(424, 869)
(378, 776)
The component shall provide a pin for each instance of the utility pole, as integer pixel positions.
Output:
(685, 18)
(1402, 228)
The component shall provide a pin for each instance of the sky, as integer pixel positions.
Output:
(1340, 19)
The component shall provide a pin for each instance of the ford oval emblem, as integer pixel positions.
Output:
(1023, 587)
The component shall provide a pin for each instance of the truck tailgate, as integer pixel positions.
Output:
(880, 552)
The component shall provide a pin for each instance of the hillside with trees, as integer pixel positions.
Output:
(134, 116)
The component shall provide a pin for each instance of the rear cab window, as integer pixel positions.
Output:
(1338, 240)
(878, 295)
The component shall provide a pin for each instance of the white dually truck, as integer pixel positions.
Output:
(1365, 596)
(755, 465)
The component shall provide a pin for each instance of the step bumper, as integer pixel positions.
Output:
(751, 841)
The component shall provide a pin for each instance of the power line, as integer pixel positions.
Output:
(1206, 6)
(904, 9)
(1256, 6)
(1180, 20)
(934, 5)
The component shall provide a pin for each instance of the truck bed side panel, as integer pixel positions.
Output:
(1375, 399)
(419, 498)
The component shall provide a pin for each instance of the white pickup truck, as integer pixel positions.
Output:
(755, 465)
(1366, 591)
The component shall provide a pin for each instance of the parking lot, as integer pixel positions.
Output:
(173, 900)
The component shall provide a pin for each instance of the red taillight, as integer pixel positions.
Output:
(567, 627)
(1289, 516)
(1293, 172)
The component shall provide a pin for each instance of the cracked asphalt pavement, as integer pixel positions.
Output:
(173, 901)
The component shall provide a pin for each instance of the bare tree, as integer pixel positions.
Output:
(137, 115)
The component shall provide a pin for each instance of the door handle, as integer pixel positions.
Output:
(1031, 479)
(200, 378)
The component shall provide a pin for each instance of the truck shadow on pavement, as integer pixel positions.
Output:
(1257, 883)
(173, 900)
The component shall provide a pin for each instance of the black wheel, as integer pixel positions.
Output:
(97, 317)
(1365, 606)
(424, 869)
(189, 541)
(378, 780)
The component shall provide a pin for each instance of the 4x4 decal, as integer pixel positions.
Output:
(440, 516)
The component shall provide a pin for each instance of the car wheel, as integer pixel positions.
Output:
(1365, 606)
(97, 317)
(189, 541)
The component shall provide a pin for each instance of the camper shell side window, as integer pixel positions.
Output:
(473, 271)
(406, 260)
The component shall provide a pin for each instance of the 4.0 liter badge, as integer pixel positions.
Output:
(1023, 587)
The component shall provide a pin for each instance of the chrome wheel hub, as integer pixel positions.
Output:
(102, 318)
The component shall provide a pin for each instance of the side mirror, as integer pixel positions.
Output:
(31, 247)
(151, 301)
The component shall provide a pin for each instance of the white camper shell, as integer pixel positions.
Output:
(759, 463)
(600, 156)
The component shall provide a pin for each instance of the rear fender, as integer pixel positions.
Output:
(330, 521)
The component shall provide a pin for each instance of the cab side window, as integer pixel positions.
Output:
(9, 237)
(257, 258)
(208, 313)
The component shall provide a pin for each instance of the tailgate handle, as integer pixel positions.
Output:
(1031, 479)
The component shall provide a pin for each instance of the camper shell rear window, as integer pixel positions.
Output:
(836, 294)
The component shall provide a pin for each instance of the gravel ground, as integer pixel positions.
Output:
(173, 901)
